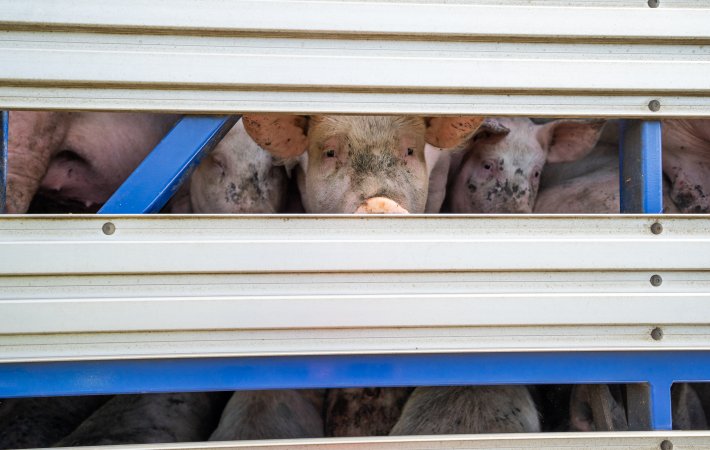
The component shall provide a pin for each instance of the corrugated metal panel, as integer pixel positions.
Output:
(522, 58)
(344, 285)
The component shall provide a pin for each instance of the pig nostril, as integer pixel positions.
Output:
(487, 166)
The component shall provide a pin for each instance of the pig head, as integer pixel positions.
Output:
(363, 164)
(238, 177)
(498, 170)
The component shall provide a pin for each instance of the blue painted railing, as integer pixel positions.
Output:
(659, 369)
(640, 167)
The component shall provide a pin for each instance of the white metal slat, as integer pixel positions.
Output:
(357, 57)
(92, 303)
(629, 19)
(173, 244)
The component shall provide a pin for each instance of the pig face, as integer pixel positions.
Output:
(238, 177)
(364, 164)
(353, 159)
(498, 170)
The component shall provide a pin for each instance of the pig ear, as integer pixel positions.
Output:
(490, 128)
(569, 139)
(449, 132)
(284, 136)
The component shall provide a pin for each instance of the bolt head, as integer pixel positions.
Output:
(666, 445)
(656, 280)
(656, 228)
(108, 228)
(657, 334)
(654, 105)
(653, 3)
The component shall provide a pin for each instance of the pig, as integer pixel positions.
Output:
(237, 177)
(468, 409)
(364, 412)
(601, 408)
(498, 170)
(280, 414)
(589, 185)
(377, 165)
(76, 159)
(42, 421)
(362, 164)
(597, 407)
(149, 418)
(686, 163)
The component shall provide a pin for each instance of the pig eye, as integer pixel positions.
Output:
(330, 153)
(410, 151)
(487, 166)
(537, 174)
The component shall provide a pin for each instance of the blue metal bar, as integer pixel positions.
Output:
(214, 374)
(640, 167)
(159, 176)
(4, 136)
(661, 416)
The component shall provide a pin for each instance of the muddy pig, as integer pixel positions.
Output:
(686, 163)
(360, 164)
(76, 159)
(498, 170)
(237, 177)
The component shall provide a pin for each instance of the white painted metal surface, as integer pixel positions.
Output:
(651, 440)
(435, 57)
(163, 286)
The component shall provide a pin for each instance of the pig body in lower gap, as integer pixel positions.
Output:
(42, 421)
(149, 418)
(278, 414)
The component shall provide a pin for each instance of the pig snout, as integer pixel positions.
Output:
(380, 205)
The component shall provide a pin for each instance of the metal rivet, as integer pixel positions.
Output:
(657, 334)
(656, 280)
(656, 228)
(654, 105)
(108, 228)
(653, 3)
(666, 445)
